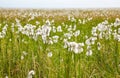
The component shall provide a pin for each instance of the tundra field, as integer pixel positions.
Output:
(64, 43)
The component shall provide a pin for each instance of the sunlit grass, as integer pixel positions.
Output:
(26, 55)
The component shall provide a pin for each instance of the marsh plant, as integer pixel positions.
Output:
(59, 43)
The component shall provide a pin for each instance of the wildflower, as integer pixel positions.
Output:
(88, 47)
(37, 22)
(83, 22)
(44, 38)
(59, 29)
(54, 29)
(6, 76)
(75, 47)
(73, 19)
(49, 54)
(101, 35)
(94, 29)
(46, 30)
(4, 30)
(80, 21)
(89, 53)
(74, 28)
(118, 36)
(118, 30)
(91, 40)
(88, 42)
(48, 23)
(55, 39)
(72, 46)
(31, 73)
(99, 45)
(101, 27)
(50, 41)
(77, 33)
(115, 35)
(52, 21)
(10, 39)
(1, 36)
(22, 57)
(65, 43)
(68, 35)
(117, 22)
(70, 28)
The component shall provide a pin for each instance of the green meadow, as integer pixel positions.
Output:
(64, 43)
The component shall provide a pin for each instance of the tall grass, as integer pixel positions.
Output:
(21, 54)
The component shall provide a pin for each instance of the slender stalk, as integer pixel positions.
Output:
(74, 65)
(116, 55)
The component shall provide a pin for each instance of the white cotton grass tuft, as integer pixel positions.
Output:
(118, 30)
(10, 39)
(117, 22)
(54, 29)
(91, 40)
(3, 32)
(89, 53)
(49, 54)
(118, 38)
(99, 45)
(23, 55)
(37, 22)
(74, 47)
(59, 29)
(6, 76)
(31, 73)
(77, 33)
(55, 38)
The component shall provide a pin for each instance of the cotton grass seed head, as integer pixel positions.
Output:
(31, 73)
(49, 54)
